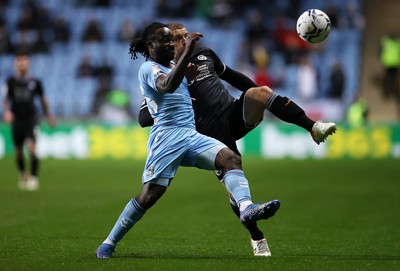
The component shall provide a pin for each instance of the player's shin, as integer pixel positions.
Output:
(132, 213)
(288, 111)
(238, 186)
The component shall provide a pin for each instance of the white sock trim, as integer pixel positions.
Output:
(243, 205)
(109, 242)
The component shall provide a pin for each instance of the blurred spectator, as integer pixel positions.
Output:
(164, 9)
(332, 12)
(127, 31)
(262, 78)
(390, 59)
(336, 81)
(353, 18)
(306, 80)
(26, 19)
(222, 13)
(261, 59)
(92, 31)
(357, 113)
(29, 16)
(3, 4)
(185, 8)
(40, 45)
(6, 46)
(256, 33)
(43, 20)
(115, 110)
(61, 31)
(104, 86)
(24, 41)
(93, 3)
(85, 67)
(255, 27)
(288, 42)
(105, 70)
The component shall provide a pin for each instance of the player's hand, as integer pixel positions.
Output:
(191, 40)
(52, 121)
(8, 116)
(191, 72)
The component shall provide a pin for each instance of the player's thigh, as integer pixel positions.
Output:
(18, 134)
(165, 153)
(202, 152)
(255, 102)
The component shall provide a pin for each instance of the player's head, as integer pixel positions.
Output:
(22, 63)
(180, 33)
(156, 42)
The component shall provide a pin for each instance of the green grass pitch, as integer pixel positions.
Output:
(335, 215)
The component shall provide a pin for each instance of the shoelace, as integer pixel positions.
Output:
(262, 246)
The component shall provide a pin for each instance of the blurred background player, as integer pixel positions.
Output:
(20, 91)
(221, 116)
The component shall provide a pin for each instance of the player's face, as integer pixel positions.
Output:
(162, 45)
(180, 36)
(22, 64)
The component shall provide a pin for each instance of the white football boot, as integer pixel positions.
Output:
(260, 248)
(321, 130)
(23, 181)
(32, 183)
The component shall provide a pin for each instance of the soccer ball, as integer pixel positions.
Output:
(313, 26)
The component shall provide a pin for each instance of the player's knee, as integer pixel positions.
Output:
(228, 160)
(260, 93)
(150, 195)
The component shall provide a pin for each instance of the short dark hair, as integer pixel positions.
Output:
(22, 52)
(175, 26)
(139, 45)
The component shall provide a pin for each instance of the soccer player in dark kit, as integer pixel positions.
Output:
(221, 116)
(20, 91)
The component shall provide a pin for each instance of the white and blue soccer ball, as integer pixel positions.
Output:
(313, 26)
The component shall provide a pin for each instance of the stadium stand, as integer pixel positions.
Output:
(71, 97)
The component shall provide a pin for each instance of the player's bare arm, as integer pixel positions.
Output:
(8, 115)
(45, 106)
(170, 82)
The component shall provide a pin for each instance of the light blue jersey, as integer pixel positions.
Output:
(168, 109)
(173, 140)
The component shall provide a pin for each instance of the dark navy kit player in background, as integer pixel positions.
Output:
(20, 92)
(219, 115)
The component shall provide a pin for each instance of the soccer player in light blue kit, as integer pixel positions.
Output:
(173, 139)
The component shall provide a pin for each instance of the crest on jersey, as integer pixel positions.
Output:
(202, 57)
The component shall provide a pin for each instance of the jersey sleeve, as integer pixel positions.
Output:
(5, 90)
(39, 88)
(219, 66)
(148, 75)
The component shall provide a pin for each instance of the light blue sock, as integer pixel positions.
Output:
(237, 184)
(132, 213)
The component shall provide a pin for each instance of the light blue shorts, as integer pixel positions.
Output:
(174, 147)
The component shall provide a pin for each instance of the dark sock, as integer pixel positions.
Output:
(20, 164)
(255, 232)
(286, 110)
(34, 165)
